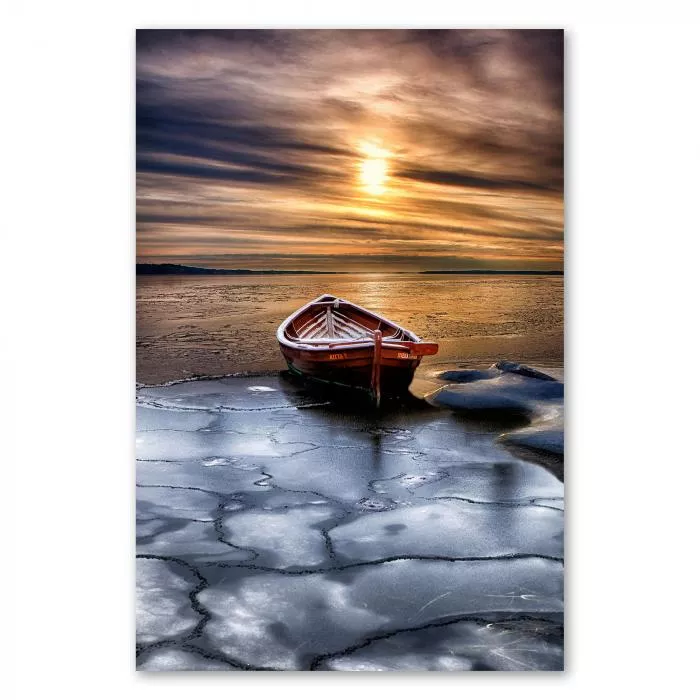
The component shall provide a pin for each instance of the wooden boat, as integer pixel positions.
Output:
(335, 341)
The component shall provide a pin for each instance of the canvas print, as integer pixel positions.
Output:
(349, 350)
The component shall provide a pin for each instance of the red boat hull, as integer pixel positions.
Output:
(353, 367)
(338, 342)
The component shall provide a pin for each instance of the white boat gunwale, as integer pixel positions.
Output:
(322, 344)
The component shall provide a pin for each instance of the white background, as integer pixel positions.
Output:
(67, 343)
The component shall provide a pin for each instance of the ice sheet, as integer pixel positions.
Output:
(278, 530)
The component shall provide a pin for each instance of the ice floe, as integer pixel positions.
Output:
(280, 621)
(286, 538)
(508, 388)
(163, 607)
(451, 528)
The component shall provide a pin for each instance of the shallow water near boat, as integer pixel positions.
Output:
(197, 326)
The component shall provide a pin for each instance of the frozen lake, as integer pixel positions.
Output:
(278, 530)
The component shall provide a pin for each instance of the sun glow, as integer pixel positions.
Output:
(374, 168)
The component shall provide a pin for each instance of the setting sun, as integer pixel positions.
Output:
(374, 169)
(373, 172)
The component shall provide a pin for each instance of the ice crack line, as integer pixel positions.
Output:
(204, 653)
(269, 480)
(530, 503)
(329, 543)
(219, 528)
(217, 656)
(316, 662)
(377, 562)
(183, 488)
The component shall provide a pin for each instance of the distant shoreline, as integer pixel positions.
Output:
(492, 272)
(169, 269)
(172, 269)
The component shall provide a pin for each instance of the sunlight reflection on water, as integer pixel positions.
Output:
(213, 325)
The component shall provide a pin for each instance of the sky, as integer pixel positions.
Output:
(350, 150)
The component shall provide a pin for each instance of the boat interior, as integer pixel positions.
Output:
(330, 320)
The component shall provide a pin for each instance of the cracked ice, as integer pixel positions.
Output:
(278, 530)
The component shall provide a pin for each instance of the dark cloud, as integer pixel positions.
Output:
(456, 179)
(214, 172)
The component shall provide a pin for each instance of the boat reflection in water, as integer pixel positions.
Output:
(335, 341)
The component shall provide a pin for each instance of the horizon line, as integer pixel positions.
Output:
(240, 270)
